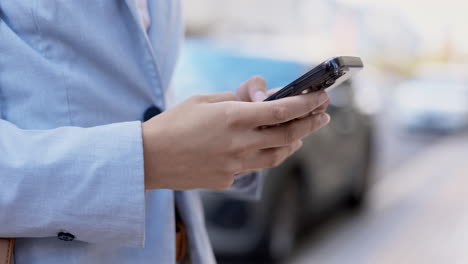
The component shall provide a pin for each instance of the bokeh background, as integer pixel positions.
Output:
(386, 181)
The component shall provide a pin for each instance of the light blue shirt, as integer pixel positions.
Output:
(75, 80)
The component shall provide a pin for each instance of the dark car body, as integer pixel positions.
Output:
(332, 165)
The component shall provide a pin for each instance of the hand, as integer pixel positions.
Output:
(204, 141)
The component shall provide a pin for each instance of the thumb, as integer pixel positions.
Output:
(257, 88)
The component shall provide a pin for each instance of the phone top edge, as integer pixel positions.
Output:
(340, 61)
(347, 61)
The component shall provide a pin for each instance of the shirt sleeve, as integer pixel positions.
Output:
(88, 182)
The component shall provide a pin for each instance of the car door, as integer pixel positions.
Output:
(334, 148)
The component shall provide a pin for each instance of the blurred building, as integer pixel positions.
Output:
(396, 33)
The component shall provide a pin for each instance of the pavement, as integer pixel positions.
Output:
(417, 213)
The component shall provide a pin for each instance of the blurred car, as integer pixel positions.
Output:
(331, 167)
(436, 102)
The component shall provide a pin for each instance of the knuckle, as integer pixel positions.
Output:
(276, 158)
(238, 150)
(314, 123)
(271, 163)
(233, 166)
(233, 149)
(231, 116)
(243, 148)
(238, 159)
(280, 113)
(292, 148)
(312, 104)
(290, 134)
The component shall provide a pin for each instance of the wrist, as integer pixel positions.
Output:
(147, 162)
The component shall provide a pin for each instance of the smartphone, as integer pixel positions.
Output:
(328, 75)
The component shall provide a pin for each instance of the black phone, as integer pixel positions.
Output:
(326, 75)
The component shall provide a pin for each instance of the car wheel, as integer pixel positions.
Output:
(280, 236)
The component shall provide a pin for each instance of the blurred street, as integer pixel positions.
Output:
(415, 88)
(415, 214)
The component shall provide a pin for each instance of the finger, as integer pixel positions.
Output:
(216, 97)
(253, 90)
(322, 108)
(287, 133)
(268, 158)
(281, 110)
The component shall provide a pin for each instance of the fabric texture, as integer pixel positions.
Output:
(75, 80)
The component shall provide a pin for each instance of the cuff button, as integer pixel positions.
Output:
(65, 236)
(151, 112)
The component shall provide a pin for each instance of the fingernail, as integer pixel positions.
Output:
(324, 119)
(259, 96)
(323, 97)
